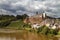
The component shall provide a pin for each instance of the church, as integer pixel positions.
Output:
(38, 18)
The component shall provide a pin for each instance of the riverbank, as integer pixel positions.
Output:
(24, 35)
(2, 30)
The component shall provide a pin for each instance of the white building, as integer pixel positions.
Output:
(53, 27)
(44, 15)
(35, 25)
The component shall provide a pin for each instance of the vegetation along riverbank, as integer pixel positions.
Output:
(33, 24)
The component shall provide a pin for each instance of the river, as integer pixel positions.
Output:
(24, 35)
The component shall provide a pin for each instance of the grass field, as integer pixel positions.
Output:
(15, 24)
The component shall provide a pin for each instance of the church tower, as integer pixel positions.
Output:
(44, 15)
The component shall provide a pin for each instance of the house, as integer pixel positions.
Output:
(35, 19)
(35, 26)
(39, 20)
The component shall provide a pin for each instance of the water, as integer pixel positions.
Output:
(24, 36)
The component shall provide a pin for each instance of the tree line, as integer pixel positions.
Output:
(5, 20)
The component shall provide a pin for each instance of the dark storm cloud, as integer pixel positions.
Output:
(30, 6)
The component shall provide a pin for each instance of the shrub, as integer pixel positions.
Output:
(42, 29)
(45, 30)
(4, 23)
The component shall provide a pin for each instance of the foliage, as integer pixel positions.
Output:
(10, 21)
(45, 30)
(19, 16)
(24, 16)
(4, 23)
(27, 26)
(58, 32)
(7, 20)
(12, 17)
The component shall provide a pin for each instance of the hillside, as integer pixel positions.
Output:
(15, 24)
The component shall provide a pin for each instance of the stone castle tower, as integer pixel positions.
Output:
(44, 15)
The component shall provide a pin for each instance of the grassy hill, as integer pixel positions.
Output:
(16, 24)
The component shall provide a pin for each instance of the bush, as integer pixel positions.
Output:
(42, 29)
(58, 32)
(45, 30)
(4, 23)
(27, 26)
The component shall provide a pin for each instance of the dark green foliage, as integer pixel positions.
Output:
(40, 28)
(54, 32)
(45, 30)
(12, 17)
(4, 23)
(27, 26)
(19, 17)
(24, 16)
(6, 19)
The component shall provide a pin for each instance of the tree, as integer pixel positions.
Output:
(24, 16)
(19, 16)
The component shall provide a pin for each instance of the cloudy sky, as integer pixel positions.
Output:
(14, 7)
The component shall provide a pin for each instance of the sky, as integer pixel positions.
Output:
(30, 7)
